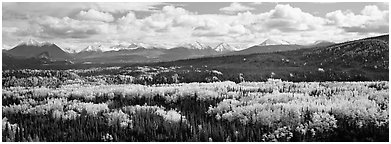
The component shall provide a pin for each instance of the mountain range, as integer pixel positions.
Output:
(136, 52)
(121, 53)
(269, 42)
(275, 45)
(46, 52)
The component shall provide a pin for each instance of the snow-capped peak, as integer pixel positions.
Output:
(123, 46)
(133, 45)
(201, 46)
(195, 45)
(32, 42)
(91, 48)
(69, 50)
(268, 42)
(224, 47)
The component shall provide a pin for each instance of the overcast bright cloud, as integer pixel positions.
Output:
(236, 7)
(76, 25)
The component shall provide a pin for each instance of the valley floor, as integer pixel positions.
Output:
(221, 111)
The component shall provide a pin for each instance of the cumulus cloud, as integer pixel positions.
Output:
(163, 20)
(256, 3)
(129, 18)
(125, 6)
(12, 10)
(371, 19)
(26, 10)
(372, 10)
(52, 27)
(213, 28)
(235, 7)
(287, 18)
(174, 11)
(163, 27)
(186, 20)
(95, 16)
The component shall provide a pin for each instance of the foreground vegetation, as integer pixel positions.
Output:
(220, 111)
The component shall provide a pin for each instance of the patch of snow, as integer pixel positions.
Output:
(268, 42)
(32, 42)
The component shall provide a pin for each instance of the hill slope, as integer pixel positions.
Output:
(265, 49)
(30, 51)
(364, 59)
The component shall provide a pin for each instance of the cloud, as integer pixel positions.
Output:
(214, 29)
(116, 7)
(256, 3)
(169, 24)
(163, 20)
(7, 32)
(129, 18)
(174, 11)
(287, 19)
(186, 21)
(28, 10)
(25, 10)
(371, 19)
(372, 10)
(248, 18)
(283, 18)
(95, 16)
(367, 29)
(175, 24)
(169, 18)
(235, 7)
(52, 27)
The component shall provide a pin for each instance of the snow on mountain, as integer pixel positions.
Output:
(6, 47)
(125, 46)
(195, 45)
(133, 45)
(269, 42)
(34, 48)
(69, 50)
(221, 47)
(224, 47)
(91, 48)
(119, 47)
(32, 42)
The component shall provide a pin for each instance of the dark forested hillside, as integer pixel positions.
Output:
(32, 51)
(365, 59)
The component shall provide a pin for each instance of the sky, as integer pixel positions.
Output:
(74, 26)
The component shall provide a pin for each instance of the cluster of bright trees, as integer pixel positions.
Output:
(222, 111)
(56, 78)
